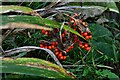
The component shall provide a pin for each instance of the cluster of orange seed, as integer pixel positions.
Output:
(60, 54)
(53, 45)
(74, 23)
(86, 35)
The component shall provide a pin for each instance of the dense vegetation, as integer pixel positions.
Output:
(83, 39)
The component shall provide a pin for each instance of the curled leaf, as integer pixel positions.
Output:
(30, 48)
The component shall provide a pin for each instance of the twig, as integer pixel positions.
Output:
(85, 56)
(73, 65)
(30, 48)
(1, 50)
(52, 5)
(79, 60)
(102, 66)
(7, 33)
(61, 31)
(65, 7)
(99, 52)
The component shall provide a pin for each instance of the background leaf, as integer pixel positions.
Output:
(109, 4)
(91, 11)
(110, 75)
(104, 48)
(99, 31)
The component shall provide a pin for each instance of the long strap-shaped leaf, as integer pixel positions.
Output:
(36, 20)
(34, 67)
(14, 8)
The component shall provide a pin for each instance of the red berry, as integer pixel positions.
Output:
(53, 43)
(46, 32)
(56, 43)
(71, 47)
(46, 47)
(41, 45)
(85, 34)
(57, 53)
(76, 39)
(64, 32)
(86, 45)
(82, 46)
(49, 47)
(56, 49)
(63, 35)
(60, 54)
(64, 57)
(43, 31)
(80, 42)
(87, 37)
(74, 24)
(61, 58)
(82, 33)
(90, 36)
(67, 50)
(53, 46)
(87, 48)
(75, 29)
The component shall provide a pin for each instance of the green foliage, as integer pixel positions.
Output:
(35, 67)
(99, 31)
(107, 73)
(101, 62)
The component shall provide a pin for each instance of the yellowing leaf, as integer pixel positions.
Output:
(14, 8)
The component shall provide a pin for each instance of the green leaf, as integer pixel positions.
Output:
(23, 25)
(14, 8)
(110, 75)
(109, 4)
(90, 11)
(99, 31)
(34, 67)
(105, 48)
(36, 20)
(85, 72)
(20, 55)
